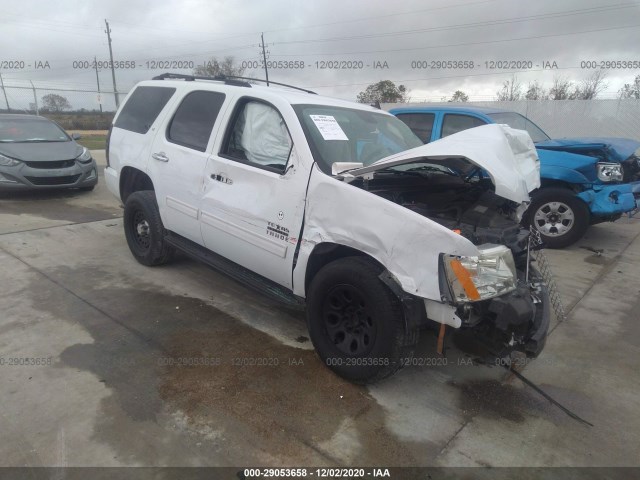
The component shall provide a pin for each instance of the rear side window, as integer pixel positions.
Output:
(454, 123)
(143, 107)
(420, 123)
(193, 121)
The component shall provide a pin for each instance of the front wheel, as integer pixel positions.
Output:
(144, 230)
(356, 323)
(560, 217)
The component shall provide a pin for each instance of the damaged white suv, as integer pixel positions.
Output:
(336, 206)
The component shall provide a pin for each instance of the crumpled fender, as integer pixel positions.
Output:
(553, 172)
(405, 242)
(611, 199)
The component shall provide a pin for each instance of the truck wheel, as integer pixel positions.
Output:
(356, 323)
(559, 216)
(144, 230)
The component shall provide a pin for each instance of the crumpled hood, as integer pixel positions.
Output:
(507, 154)
(612, 149)
(40, 152)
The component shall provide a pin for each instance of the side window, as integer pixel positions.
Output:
(193, 121)
(454, 123)
(421, 124)
(143, 107)
(258, 135)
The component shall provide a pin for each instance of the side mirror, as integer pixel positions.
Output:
(76, 136)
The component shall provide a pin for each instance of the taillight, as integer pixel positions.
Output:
(107, 144)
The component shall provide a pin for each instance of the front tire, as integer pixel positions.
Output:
(144, 230)
(560, 217)
(356, 323)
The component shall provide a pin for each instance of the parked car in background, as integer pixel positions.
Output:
(36, 153)
(584, 181)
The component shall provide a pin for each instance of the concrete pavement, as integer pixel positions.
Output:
(144, 366)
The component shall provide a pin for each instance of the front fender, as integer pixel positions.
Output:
(404, 242)
(563, 174)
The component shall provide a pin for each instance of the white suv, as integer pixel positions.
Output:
(336, 206)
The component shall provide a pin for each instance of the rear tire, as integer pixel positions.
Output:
(144, 230)
(560, 217)
(356, 323)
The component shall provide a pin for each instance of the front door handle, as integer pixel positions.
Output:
(221, 178)
(160, 156)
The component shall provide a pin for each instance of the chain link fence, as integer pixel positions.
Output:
(568, 118)
(73, 109)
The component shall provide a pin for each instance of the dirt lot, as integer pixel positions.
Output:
(127, 365)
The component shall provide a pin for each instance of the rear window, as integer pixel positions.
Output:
(193, 121)
(454, 123)
(143, 107)
(420, 123)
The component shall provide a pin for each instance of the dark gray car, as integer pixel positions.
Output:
(36, 153)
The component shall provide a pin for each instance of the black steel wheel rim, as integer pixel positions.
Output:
(349, 320)
(141, 229)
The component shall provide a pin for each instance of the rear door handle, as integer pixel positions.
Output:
(160, 156)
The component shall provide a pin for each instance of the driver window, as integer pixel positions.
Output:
(259, 137)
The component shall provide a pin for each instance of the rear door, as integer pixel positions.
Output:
(178, 159)
(255, 187)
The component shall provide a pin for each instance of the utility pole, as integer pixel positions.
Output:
(35, 97)
(5, 94)
(113, 71)
(264, 59)
(95, 64)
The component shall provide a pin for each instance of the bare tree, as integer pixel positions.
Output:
(535, 91)
(631, 90)
(511, 90)
(590, 87)
(562, 89)
(53, 102)
(215, 68)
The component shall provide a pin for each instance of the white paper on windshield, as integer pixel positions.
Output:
(328, 127)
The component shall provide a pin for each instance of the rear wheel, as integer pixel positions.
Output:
(144, 230)
(356, 323)
(560, 217)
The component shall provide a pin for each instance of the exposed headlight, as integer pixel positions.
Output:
(609, 172)
(85, 156)
(488, 275)
(8, 162)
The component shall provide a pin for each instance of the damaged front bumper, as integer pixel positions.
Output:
(517, 321)
(611, 200)
(521, 321)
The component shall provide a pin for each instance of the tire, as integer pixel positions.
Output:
(347, 291)
(560, 217)
(144, 230)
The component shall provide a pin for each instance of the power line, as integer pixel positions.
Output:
(503, 21)
(458, 44)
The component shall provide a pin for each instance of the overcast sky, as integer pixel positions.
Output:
(364, 32)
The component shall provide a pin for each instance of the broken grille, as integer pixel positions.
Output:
(543, 265)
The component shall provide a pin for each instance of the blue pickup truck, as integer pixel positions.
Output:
(583, 180)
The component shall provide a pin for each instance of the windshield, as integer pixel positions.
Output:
(30, 130)
(338, 134)
(515, 120)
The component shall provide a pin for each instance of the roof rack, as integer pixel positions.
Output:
(228, 79)
(191, 78)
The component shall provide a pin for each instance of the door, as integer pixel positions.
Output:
(254, 193)
(178, 159)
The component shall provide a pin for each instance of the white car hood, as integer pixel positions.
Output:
(507, 154)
